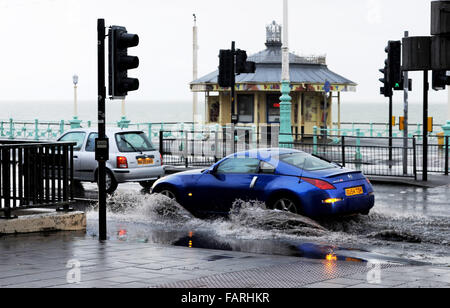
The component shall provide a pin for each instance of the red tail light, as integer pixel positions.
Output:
(161, 158)
(319, 184)
(122, 162)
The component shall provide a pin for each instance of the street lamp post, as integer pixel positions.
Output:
(123, 123)
(285, 138)
(195, 116)
(75, 122)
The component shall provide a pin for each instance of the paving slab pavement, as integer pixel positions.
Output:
(73, 260)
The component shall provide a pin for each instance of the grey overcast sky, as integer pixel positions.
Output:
(44, 42)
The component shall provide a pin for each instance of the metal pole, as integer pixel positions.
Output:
(425, 125)
(101, 129)
(75, 101)
(405, 115)
(234, 119)
(325, 115)
(390, 129)
(195, 70)
(123, 109)
(447, 149)
(339, 113)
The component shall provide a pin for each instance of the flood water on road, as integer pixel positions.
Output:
(407, 223)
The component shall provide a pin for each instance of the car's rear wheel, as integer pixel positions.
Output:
(286, 204)
(111, 183)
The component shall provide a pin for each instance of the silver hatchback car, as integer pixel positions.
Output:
(132, 157)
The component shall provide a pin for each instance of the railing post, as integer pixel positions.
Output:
(447, 149)
(186, 159)
(216, 146)
(415, 158)
(150, 135)
(36, 129)
(358, 155)
(343, 151)
(6, 183)
(161, 142)
(11, 129)
(315, 151)
(61, 127)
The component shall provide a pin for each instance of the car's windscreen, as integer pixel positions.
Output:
(306, 162)
(133, 142)
(77, 137)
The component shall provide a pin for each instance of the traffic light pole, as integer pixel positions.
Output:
(391, 113)
(426, 87)
(234, 116)
(405, 117)
(101, 129)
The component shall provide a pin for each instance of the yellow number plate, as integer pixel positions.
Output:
(145, 161)
(354, 191)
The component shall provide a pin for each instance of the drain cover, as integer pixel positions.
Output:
(279, 276)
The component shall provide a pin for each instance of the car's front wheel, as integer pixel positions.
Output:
(167, 191)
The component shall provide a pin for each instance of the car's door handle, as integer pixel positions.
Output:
(75, 156)
(253, 183)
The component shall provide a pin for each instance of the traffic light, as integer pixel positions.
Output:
(226, 69)
(440, 80)
(386, 90)
(400, 86)
(242, 65)
(440, 29)
(120, 62)
(393, 65)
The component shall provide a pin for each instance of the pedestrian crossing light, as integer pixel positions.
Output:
(120, 62)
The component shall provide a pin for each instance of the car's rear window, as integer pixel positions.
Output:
(133, 142)
(77, 137)
(306, 162)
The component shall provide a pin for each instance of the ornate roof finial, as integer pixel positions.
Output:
(273, 35)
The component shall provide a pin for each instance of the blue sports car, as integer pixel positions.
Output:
(285, 179)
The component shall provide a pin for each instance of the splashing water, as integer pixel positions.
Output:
(157, 219)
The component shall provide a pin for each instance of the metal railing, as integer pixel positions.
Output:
(35, 175)
(438, 154)
(371, 155)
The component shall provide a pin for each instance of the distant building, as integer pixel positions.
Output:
(258, 95)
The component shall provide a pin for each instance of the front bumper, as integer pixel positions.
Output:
(138, 174)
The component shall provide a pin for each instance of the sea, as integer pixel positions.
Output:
(181, 111)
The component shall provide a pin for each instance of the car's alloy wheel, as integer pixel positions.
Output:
(168, 193)
(286, 205)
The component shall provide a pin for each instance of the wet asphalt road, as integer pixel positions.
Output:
(408, 223)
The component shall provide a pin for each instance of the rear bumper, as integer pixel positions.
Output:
(138, 174)
(348, 205)
(352, 205)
